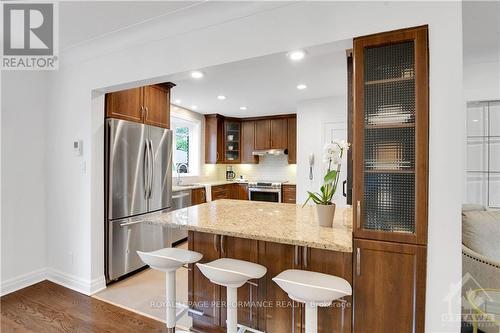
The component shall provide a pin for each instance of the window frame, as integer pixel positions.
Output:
(194, 125)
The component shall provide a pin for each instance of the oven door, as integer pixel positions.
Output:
(262, 194)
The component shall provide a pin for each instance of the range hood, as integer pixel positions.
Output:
(276, 152)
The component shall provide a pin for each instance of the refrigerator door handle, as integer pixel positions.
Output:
(146, 170)
(151, 168)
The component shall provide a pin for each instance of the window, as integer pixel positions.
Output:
(186, 142)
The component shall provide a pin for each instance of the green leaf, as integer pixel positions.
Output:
(330, 176)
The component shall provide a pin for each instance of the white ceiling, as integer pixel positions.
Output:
(265, 85)
(81, 21)
(481, 31)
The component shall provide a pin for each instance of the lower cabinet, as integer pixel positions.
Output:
(263, 304)
(389, 287)
(222, 192)
(198, 196)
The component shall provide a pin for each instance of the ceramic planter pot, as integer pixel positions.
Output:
(325, 214)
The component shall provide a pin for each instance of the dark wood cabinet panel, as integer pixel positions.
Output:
(289, 193)
(248, 142)
(222, 192)
(240, 191)
(149, 105)
(198, 196)
(292, 140)
(243, 249)
(284, 315)
(263, 134)
(279, 133)
(125, 104)
(390, 128)
(337, 317)
(389, 287)
(204, 295)
(157, 106)
(214, 139)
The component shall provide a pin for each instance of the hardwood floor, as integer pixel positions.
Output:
(48, 307)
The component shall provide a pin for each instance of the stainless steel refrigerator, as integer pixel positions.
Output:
(138, 178)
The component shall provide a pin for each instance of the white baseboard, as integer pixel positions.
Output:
(23, 281)
(84, 286)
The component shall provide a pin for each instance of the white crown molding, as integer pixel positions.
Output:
(163, 27)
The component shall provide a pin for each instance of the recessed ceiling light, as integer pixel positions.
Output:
(194, 107)
(475, 120)
(196, 74)
(301, 86)
(243, 108)
(296, 55)
(221, 97)
(178, 101)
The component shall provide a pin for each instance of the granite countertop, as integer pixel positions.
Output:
(273, 222)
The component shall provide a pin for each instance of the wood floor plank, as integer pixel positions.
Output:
(48, 307)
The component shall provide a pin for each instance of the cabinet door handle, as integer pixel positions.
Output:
(142, 112)
(358, 261)
(217, 156)
(147, 111)
(358, 214)
(222, 245)
(215, 244)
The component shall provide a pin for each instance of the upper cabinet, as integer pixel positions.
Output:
(391, 136)
(233, 140)
(271, 134)
(149, 104)
(292, 140)
(248, 142)
(214, 139)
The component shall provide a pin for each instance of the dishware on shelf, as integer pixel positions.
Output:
(230, 137)
(230, 147)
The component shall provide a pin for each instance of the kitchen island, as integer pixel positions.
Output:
(276, 235)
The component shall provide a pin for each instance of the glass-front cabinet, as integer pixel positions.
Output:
(232, 141)
(391, 136)
(483, 153)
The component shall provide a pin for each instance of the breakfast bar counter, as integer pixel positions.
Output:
(272, 222)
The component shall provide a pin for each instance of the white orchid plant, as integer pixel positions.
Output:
(332, 156)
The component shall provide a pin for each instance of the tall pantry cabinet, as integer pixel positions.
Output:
(390, 169)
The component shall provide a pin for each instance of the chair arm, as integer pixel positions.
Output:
(479, 257)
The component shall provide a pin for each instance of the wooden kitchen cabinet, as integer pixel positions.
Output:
(214, 139)
(204, 296)
(149, 104)
(284, 315)
(279, 133)
(271, 133)
(389, 287)
(292, 140)
(338, 316)
(248, 142)
(391, 136)
(240, 191)
(125, 104)
(198, 196)
(222, 191)
(263, 134)
(289, 194)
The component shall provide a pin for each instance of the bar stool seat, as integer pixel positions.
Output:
(232, 274)
(314, 289)
(168, 260)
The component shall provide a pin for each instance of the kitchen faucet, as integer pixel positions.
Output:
(179, 181)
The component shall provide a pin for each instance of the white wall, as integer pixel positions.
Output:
(223, 33)
(312, 117)
(482, 80)
(24, 225)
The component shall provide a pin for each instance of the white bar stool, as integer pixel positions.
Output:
(314, 289)
(168, 260)
(232, 274)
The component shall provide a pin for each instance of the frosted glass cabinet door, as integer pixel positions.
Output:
(494, 191)
(494, 157)
(477, 154)
(494, 115)
(477, 188)
(477, 119)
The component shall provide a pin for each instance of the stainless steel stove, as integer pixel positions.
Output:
(269, 191)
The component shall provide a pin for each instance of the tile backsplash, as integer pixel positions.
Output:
(275, 168)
